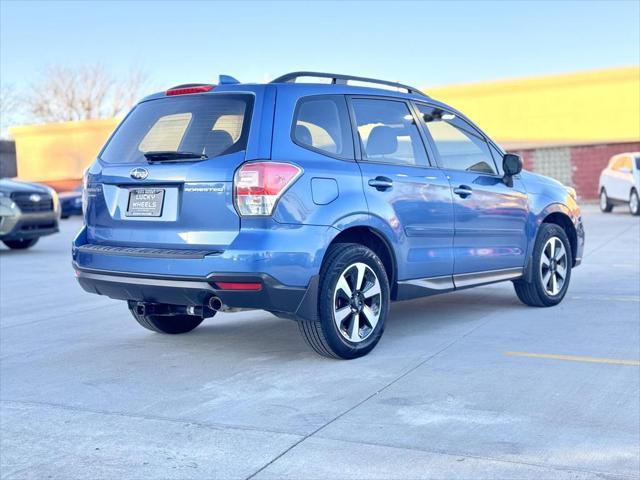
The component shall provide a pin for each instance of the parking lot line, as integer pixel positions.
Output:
(576, 358)
(608, 298)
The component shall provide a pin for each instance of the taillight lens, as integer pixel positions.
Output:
(259, 185)
(187, 89)
(85, 195)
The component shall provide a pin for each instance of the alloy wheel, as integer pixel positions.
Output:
(603, 201)
(634, 203)
(357, 302)
(553, 266)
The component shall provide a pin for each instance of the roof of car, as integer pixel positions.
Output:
(337, 84)
(342, 79)
(309, 88)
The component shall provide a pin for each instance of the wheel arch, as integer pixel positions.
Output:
(376, 241)
(564, 221)
(632, 191)
(557, 214)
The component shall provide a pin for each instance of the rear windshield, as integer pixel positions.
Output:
(638, 163)
(210, 125)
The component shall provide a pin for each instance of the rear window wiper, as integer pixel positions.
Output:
(161, 156)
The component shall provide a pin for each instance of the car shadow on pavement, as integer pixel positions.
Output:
(257, 332)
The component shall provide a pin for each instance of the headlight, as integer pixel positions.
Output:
(6, 202)
(572, 192)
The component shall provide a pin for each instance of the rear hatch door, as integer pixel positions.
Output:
(164, 180)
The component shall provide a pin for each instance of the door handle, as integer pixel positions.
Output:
(463, 190)
(381, 183)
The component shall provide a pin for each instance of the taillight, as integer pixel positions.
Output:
(259, 185)
(85, 194)
(186, 89)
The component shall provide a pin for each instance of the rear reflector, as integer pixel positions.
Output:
(259, 185)
(184, 90)
(239, 286)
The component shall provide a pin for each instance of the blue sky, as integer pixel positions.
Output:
(422, 43)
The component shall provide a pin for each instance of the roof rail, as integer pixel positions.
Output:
(337, 78)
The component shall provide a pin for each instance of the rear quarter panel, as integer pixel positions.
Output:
(329, 192)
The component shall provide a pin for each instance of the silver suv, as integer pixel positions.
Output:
(28, 211)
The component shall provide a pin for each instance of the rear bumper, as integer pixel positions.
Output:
(291, 254)
(293, 302)
(285, 261)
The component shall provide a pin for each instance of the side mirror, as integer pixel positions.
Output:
(511, 165)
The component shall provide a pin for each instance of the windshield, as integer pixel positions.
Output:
(206, 125)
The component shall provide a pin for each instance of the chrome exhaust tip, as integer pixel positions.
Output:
(215, 304)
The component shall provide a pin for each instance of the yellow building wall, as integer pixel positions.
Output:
(586, 107)
(59, 151)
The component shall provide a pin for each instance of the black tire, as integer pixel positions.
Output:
(324, 335)
(534, 293)
(171, 324)
(634, 203)
(605, 204)
(20, 244)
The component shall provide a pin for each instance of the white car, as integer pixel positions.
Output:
(620, 183)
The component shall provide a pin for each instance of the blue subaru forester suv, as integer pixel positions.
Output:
(320, 202)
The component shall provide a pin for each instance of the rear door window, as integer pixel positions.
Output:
(388, 132)
(322, 123)
(210, 125)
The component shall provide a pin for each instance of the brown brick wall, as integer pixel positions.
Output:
(585, 163)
